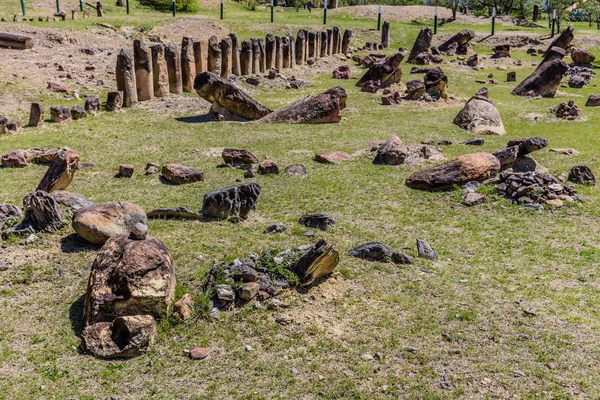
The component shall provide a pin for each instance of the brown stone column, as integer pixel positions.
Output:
(323, 44)
(160, 72)
(278, 53)
(173, 58)
(200, 56)
(292, 49)
(285, 51)
(142, 57)
(114, 101)
(300, 48)
(329, 42)
(235, 54)
(188, 64)
(36, 114)
(346, 41)
(246, 57)
(270, 51)
(255, 56)
(318, 45)
(125, 74)
(305, 45)
(336, 40)
(214, 55)
(226, 59)
(385, 34)
(311, 44)
(263, 55)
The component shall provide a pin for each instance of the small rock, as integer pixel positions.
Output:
(473, 198)
(276, 228)
(518, 374)
(248, 347)
(551, 364)
(411, 349)
(126, 170)
(249, 290)
(295, 170)
(425, 250)
(267, 167)
(139, 232)
(366, 357)
(199, 353)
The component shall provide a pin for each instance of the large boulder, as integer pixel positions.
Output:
(231, 202)
(544, 81)
(61, 171)
(456, 41)
(582, 56)
(435, 83)
(463, 169)
(320, 260)
(130, 277)
(386, 71)
(225, 94)
(480, 116)
(124, 337)
(180, 174)
(395, 152)
(320, 108)
(422, 45)
(238, 156)
(99, 222)
(14, 159)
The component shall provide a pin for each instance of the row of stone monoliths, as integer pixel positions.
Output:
(162, 69)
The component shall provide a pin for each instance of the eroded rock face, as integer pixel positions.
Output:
(130, 277)
(14, 159)
(231, 202)
(463, 169)
(458, 40)
(422, 45)
(122, 338)
(180, 175)
(544, 81)
(480, 116)
(41, 213)
(435, 83)
(71, 201)
(318, 261)
(342, 72)
(9, 211)
(239, 156)
(386, 71)
(61, 171)
(582, 174)
(395, 152)
(582, 56)
(99, 222)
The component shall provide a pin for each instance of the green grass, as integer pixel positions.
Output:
(496, 260)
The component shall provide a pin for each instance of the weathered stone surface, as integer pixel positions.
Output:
(473, 198)
(173, 59)
(528, 145)
(200, 55)
(387, 71)
(60, 114)
(524, 164)
(392, 98)
(214, 55)
(371, 251)
(199, 353)
(394, 152)
(36, 115)
(501, 51)
(563, 40)
(582, 174)
(126, 170)
(114, 101)
(231, 202)
(463, 169)
(422, 44)
(160, 72)
(248, 291)
(576, 82)
(582, 56)
(331, 157)
(459, 39)
(480, 116)
(78, 112)
(342, 72)
(43, 156)
(41, 213)
(415, 90)
(275, 228)
(435, 83)
(320, 260)
(184, 308)
(246, 58)
(214, 89)
(173, 213)
(473, 60)
(226, 58)
(125, 337)
(125, 74)
(61, 171)
(425, 250)
(71, 201)
(3, 122)
(319, 221)
(544, 81)
(346, 40)
(267, 167)
(188, 64)
(270, 51)
(255, 56)
(385, 34)
(238, 156)
(8, 211)
(300, 48)
(99, 222)
(295, 170)
(144, 77)
(14, 159)
(321, 108)
(370, 86)
(180, 175)
(92, 105)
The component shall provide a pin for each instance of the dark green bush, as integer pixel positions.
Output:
(165, 5)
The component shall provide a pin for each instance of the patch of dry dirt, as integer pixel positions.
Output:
(407, 13)
(198, 28)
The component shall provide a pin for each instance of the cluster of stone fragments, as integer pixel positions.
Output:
(164, 68)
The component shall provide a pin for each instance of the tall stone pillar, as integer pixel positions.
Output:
(226, 57)
(323, 44)
(270, 51)
(246, 57)
(300, 48)
(214, 55)
(285, 50)
(144, 79)
(278, 53)
(200, 56)
(263, 55)
(125, 73)
(174, 68)
(292, 49)
(160, 72)
(235, 54)
(188, 64)
(346, 41)
(255, 56)
(336, 39)
(385, 34)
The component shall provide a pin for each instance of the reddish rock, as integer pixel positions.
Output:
(342, 72)
(13, 126)
(268, 167)
(60, 114)
(126, 170)
(241, 156)
(582, 56)
(58, 87)
(472, 199)
(391, 98)
(199, 353)
(331, 157)
(184, 308)
(463, 169)
(179, 174)
(14, 159)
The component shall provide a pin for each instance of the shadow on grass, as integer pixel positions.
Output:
(317, 282)
(197, 119)
(76, 315)
(74, 243)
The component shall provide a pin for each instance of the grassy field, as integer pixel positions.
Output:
(512, 290)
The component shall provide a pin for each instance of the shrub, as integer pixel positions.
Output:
(165, 5)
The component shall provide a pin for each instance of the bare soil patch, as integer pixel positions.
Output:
(198, 28)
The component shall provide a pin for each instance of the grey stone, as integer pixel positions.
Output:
(425, 250)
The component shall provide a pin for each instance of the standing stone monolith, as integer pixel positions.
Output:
(144, 78)
(346, 41)
(246, 57)
(200, 56)
(422, 44)
(385, 34)
(214, 55)
(336, 40)
(255, 56)
(329, 42)
(114, 101)
(173, 59)
(36, 114)
(159, 71)
(300, 48)
(188, 64)
(323, 44)
(290, 36)
(226, 57)
(125, 74)
(278, 52)
(235, 54)
(270, 51)
(285, 51)
(311, 44)
(263, 55)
